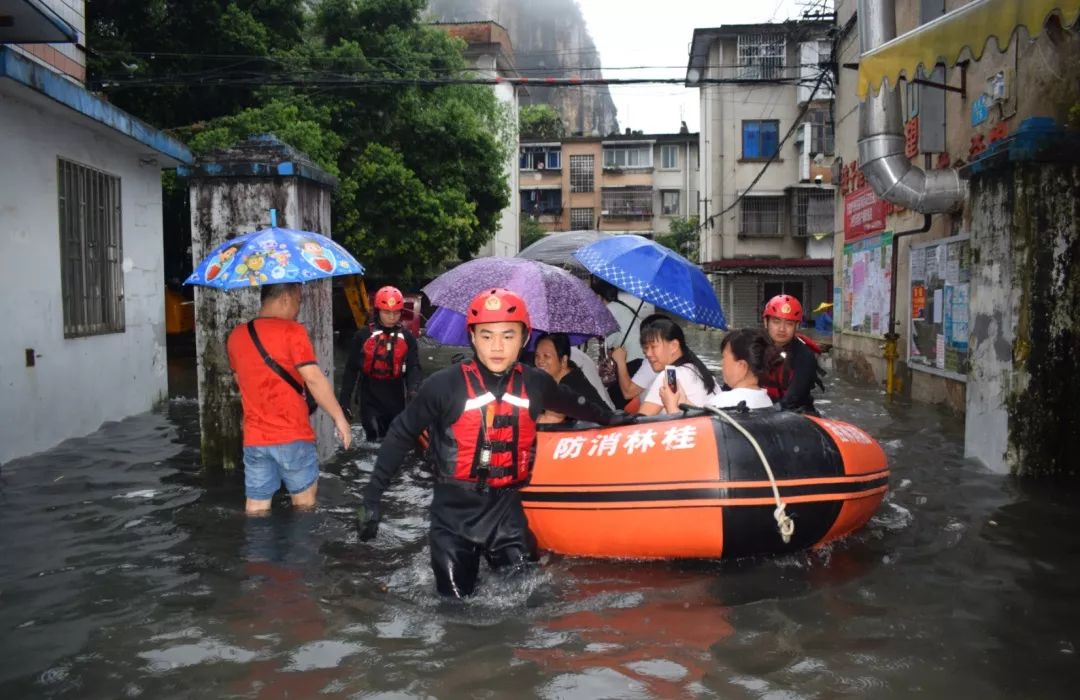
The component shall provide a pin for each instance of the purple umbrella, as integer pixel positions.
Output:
(448, 327)
(558, 301)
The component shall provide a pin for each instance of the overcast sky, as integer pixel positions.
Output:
(658, 33)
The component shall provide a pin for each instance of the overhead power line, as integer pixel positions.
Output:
(323, 80)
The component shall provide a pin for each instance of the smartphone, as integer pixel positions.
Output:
(672, 383)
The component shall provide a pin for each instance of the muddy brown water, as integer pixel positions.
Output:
(126, 573)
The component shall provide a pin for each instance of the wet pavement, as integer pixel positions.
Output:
(126, 573)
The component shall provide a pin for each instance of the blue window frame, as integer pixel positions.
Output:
(760, 138)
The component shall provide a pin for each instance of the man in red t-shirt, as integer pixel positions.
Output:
(279, 443)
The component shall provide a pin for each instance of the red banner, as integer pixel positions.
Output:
(864, 213)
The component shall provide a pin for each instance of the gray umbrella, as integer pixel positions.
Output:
(558, 248)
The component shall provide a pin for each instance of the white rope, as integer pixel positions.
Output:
(784, 523)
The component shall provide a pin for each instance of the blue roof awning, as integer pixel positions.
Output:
(48, 83)
(33, 22)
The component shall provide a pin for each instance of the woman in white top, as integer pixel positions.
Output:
(664, 345)
(748, 356)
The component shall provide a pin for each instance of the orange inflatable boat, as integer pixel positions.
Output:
(698, 486)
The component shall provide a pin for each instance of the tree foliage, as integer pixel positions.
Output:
(682, 237)
(540, 122)
(531, 231)
(420, 169)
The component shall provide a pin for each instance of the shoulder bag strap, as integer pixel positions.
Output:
(271, 363)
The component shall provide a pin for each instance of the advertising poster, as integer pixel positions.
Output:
(940, 306)
(867, 276)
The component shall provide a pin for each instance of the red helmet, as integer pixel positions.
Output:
(498, 305)
(389, 299)
(784, 306)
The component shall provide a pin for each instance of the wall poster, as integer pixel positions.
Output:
(938, 298)
(867, 274)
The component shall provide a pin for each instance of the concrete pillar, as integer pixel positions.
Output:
(1025, 305)
(232, 192)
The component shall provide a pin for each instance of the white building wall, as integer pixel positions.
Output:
(683, 178)
(506, 241)
(725, 175)
(77, 384)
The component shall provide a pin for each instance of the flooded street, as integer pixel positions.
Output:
(126, 573)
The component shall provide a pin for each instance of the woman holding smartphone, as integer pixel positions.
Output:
(749, 355)
(665, 347)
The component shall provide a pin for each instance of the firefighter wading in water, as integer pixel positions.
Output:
(482, 414)
(385, 360)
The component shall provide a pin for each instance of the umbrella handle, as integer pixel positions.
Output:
(631, 324)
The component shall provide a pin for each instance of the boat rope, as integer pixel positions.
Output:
(784, 523)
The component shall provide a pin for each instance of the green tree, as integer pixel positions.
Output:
(421, 168)
(176, 62)
(540, 122)
(531, 231)
(682, 237)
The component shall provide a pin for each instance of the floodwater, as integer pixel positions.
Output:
(125, 573)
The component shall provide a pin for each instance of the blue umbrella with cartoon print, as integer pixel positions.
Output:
(273, 256)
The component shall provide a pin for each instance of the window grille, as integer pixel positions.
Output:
(761, 56)
(91, 250)
(581, 173)
(669, 202)
(812, 211)
(669, 157)
(628, 157)
(628, 203)
(539, 202)
(581, 219)
(761, 216)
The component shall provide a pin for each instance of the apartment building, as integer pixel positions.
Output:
(767, 146)
(623, 183)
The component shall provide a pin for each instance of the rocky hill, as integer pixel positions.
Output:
(550, 40)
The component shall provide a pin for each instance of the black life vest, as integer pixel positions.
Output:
(494, 438)
(384, 354)
(780, 376)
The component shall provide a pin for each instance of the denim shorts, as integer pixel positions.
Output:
(265, 467)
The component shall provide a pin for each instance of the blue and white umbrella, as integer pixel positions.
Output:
(656, 274)
(273, 256)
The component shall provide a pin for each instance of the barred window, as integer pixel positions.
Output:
(581, 173)
(761, 56)
(761, 216)
(539, 202)
(812, 211)
(628, 203)
(581, 219)
(669, 202)
(91, 250)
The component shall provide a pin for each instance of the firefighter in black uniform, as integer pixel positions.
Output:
(482, 416)
(790, 381)
(385, 360)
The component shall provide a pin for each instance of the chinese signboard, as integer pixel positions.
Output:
(624, 454)
(864, 213)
